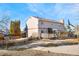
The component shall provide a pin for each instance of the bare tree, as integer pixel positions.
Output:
(4, 23)
(4, 26)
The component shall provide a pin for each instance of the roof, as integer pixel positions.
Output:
(47, 20)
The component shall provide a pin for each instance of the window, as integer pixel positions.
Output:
(54, 31)
(49, 30)
(41, 22)
(42, 31)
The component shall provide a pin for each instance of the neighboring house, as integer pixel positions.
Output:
(45, 28)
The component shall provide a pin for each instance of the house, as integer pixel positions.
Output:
(44, 28)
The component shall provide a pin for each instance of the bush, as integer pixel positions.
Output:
(33, 38)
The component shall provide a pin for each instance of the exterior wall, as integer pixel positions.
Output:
(44, 25)
(32, 25)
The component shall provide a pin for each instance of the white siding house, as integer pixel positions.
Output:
(40, 27)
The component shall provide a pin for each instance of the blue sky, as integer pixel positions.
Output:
(21, 11)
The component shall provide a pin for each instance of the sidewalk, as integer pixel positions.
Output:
(70, 49)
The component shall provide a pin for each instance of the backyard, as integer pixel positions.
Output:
(44, 47)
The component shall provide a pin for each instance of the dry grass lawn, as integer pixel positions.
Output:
(72, 40)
